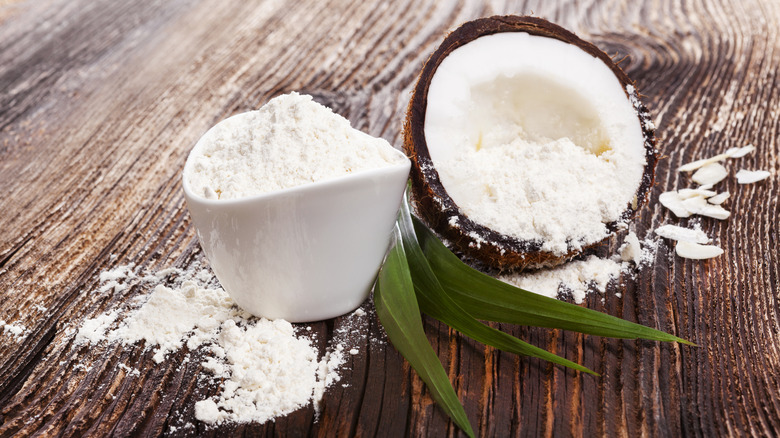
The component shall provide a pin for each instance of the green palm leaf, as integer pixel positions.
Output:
(493, 300)
(421, 274)
(399, 314)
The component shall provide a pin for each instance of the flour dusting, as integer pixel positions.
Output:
(266, 369)
(591, 274)
(15, 330)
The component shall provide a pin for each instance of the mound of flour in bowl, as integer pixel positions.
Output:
(290, 141)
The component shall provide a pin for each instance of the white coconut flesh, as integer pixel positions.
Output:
(534, 138)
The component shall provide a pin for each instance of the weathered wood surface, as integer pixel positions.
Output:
(100, 102)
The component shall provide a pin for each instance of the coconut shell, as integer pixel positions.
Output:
(435, 206)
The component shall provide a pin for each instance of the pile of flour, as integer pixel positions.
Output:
(552, 191)
(290, 141)
(266, 368)
(579, 277)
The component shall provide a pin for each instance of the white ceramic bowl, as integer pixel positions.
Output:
(306, 253)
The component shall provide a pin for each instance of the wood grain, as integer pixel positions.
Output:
(101, 101)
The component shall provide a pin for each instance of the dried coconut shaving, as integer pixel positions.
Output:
(704, 202)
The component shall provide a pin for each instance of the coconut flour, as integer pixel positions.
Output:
(290, 141)
(577, 278)
(265, 369)
(554, 191)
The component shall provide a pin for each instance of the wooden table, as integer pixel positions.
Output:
(100, 102)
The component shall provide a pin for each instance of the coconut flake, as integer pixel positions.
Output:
(673, 202)
(631, 250)
(740, 152)
(674, 232)
(718, 199)
(694, 251)
(751, 176)
(689, 193)
(712, 173)
(695, 204)
(701, 163)
(730, 153)
(714, 211)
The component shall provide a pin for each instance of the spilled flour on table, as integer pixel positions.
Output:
(579, 277)
(15, 330)
(265, 369)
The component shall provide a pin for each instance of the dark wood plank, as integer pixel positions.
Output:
(101, 101)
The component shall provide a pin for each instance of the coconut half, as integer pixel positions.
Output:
(528, 144)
